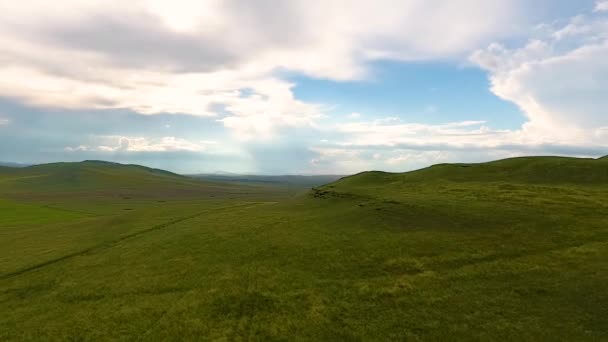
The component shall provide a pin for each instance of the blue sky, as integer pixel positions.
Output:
(433, 93)
(303, 87)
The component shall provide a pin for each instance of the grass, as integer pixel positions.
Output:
(510, 250)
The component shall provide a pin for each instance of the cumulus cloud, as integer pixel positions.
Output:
(140, 144)
(601, 6)
(255, 116)
(193, 57)
(225, 60)
(560, 81)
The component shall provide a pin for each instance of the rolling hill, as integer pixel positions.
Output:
(541, 170)
(104, 187)
(89, 175)
(102, 175)
(508, 250)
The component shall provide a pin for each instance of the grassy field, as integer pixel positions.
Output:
(508, 251)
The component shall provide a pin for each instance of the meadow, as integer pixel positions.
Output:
(513, 250)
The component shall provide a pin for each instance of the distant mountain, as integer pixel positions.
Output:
(289, 180)
(222, 173)
(10, 164)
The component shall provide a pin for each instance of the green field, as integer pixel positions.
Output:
(513, 250)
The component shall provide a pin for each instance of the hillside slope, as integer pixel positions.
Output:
(488, 252)
(524, 170)
(111, 185)
(89, 175)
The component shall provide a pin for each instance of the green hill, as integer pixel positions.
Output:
(538, 170)
(90, 175)
(509, 250)
(99, 186)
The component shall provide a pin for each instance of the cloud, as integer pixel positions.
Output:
(393, 131)
(225, 61)
(426, 157)
(193, 57)
(337, 160)
(348, 160)
(140, 144)
(4, 121)
(391, 144)
(260, 115)
(601, 6)
(559, 81)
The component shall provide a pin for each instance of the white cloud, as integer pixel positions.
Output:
(141, 144)
(560, 82)
(601, 6)
(353, 159)
(4, 121)
(193, 57)
(260, 115)
(390, 144)
(578, 26)
(393, 132)
(425, 157)
(336, 160)
(223, 59)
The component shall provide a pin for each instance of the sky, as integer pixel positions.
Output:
(302, 86)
